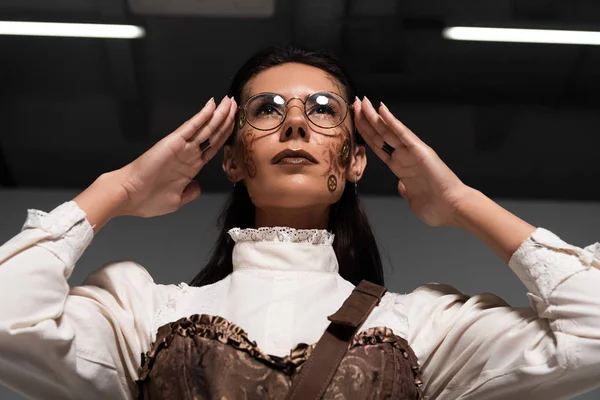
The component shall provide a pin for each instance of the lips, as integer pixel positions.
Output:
(293, 154)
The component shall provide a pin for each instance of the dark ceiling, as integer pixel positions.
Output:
(513, 120)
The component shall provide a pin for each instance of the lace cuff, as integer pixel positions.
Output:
(543, 261)
(282, 234)
(70, 231)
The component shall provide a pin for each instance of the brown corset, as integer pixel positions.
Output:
(208, 357)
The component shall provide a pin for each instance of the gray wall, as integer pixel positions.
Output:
(174, 247)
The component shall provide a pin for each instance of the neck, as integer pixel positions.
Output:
(298, 218)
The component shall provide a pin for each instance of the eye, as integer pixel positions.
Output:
(266, 109)
(323, 109)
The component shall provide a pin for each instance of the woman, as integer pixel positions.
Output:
(293, 246)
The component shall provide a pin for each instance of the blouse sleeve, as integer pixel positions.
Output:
(481, 348)
(61, 342)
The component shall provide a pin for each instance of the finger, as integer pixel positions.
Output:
(379, 124)
(220, 137)
(191, 192)
(209, 153)
(215, 121)
(373, 139)
(226, 129)
(402, 189)
(191, 126)
(406, 136)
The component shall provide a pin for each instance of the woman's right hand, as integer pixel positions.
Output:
(160, 181)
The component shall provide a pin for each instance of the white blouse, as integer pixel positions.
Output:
(85, 342)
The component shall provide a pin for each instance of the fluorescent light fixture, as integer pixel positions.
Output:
(521, 35)
(71, 30)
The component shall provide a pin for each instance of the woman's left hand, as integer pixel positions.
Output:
(433, 191)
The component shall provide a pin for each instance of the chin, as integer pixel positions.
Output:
(296, 194)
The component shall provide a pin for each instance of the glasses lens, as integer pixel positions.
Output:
(265, 111)
(326, 109)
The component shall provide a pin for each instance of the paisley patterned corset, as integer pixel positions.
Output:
(207, 357)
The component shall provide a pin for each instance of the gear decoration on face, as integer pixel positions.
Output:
(345, 152)
(332, 183)
(248, 153)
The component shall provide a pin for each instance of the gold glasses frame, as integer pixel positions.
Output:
(244, 109)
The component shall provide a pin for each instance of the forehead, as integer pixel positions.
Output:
(293, 79)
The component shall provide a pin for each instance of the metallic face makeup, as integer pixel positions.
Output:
(332, 183)
(246, 141)
(345, 152)
(337, 155)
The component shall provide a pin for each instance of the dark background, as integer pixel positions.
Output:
(516, 121)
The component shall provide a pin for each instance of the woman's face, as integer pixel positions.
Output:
(294, 182)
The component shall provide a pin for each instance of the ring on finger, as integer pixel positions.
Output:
(387, 148)
(205, 145)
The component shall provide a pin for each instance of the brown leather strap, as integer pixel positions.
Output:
(319, 369)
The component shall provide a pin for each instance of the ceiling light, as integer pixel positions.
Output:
(71, 30)
(521, 35)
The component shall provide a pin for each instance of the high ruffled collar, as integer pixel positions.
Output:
(283, 249)
(282, 234)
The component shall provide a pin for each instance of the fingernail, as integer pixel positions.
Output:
(212, 99)
(367, 99)
(382, 105)
(356, 99)
(223, 99)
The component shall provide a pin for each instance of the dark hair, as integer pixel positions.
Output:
(354, 243)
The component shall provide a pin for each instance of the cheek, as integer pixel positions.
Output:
(335, 155)
(246, 152)
(337, 146)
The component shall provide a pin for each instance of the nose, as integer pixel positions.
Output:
(295, 125)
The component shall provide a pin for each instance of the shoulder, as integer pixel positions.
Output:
(127, 289)
(119, 273)
(422, 295)
(436, 301)
(130, 282)
(438, 293)
(432, 292)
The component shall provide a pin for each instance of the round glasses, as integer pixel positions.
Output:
(266, 111)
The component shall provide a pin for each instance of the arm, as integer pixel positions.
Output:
(60, 342)
(104, 200)
(481, 348)
(478, 347)
(501, 230)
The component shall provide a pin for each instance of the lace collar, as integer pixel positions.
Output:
(282, 234)
(283, 249)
